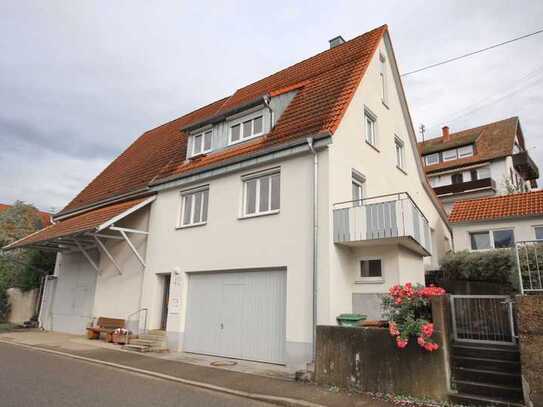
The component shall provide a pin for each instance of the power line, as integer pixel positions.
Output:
(472, 53)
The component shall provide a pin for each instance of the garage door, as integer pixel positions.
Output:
(237, 314)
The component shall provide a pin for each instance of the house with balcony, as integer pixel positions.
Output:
(484, 161)
(238, 227)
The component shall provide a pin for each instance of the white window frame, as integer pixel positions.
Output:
(427, 156)
(399, 147)
(360, 181)
(239, 121)
(443, 155)
(181, 213)
(536, 227)
(491, 236)
(370, 280)
(468, 154)
(371, 140)
(203, 135)
(258, 176)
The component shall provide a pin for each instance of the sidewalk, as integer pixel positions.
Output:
(265, 388)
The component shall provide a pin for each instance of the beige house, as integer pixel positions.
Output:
(240, 226)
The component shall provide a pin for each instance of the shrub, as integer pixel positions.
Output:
(409, 313)
(491, 266)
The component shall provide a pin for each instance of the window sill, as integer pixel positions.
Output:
(372, 146)
(192, 225)
(258, 215)
(401, 169)
(370, 280)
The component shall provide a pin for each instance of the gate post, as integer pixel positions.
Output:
(441, 318)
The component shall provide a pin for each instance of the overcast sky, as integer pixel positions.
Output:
(80, 80)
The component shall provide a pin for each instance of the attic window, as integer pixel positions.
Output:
(246, 129)
(201, 142)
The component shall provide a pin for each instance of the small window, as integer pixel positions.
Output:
(483, 173)
(246, 130)
(400, 154)
(503, 239)
(370, 128)
(431, 159)
(449, 155)
(383, 79)
(480, 240)
(466, 151)
(457, 178)
(202, 142)
(371, 269)
(435, 181)
(538, 232)
(262, 194)
(194, 210)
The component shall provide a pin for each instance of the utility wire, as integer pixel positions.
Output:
(472, 53)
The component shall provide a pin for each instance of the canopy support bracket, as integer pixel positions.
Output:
(108, 254)
(87, 255)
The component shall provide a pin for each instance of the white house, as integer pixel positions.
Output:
(497, 222)
(243, 224)
(483, 161)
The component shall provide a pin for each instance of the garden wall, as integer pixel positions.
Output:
(367, 360)
(22, 304)
(530, 329)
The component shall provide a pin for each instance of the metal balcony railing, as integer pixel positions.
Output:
(392, 216)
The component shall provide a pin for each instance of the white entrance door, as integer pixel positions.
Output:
(237, 314)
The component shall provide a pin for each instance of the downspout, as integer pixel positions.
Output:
(267, 100)
(315, 240)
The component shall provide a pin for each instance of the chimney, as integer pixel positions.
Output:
(445, 135)
(334, 42)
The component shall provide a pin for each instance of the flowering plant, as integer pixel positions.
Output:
(120, 331)
(407, 309)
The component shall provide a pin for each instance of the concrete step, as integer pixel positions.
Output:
(504, 366)
(501, 392)
(144, 342)
(155, 338)
(487, 376)
(137, 348)
(474, 400)
(489, 352)
(157, 332)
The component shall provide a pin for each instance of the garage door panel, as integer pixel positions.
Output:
(237, 314)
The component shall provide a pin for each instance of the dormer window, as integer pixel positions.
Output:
(201, 143)
(246, 129)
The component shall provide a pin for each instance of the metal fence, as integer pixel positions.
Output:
(483, 319)
(529, 258)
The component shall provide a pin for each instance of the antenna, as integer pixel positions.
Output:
(422, 130)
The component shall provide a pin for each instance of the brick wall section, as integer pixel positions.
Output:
(367, 360)
(530, 329)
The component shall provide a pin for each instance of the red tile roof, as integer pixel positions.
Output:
(77, 224)
(325, 85)
(498, 207)
(45, 217)
(493, 140)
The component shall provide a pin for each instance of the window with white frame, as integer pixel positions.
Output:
(246, 129)
(194, 207)
(435, 181)
(431, 159)
(449, 155)
(483, 172)
(370, 127)
(492, 239)
(357, 186)
(201, 142)
(538, 231)
(400, 152)
(466, 151)
(383, 79)
(261, 194)
(371, 270)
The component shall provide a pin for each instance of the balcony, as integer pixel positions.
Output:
(382, 220)
(476, 185)
(526, 167)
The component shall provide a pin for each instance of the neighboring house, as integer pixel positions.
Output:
(220, 221)
(497, 222)
(484, 161)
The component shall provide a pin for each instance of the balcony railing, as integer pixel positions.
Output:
(393, 217)
(524, 164)
(483, 183)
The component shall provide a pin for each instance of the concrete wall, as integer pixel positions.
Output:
(22, 304)
(523, 229)
(367, 360)
(530, 330)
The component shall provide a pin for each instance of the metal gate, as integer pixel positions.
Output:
(483, 319)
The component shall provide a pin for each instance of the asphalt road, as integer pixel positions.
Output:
(31, 378)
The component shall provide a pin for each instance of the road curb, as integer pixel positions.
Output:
(281, 401)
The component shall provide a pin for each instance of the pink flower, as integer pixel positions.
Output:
(430, 347)
(421, 341)
(393, 329)
(401, 343)
(427, 330)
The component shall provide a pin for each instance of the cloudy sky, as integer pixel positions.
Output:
(80, 80)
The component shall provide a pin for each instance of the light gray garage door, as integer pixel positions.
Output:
(237, 314)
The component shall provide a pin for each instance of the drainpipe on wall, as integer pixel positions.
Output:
(267, 100)
(315, 240)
